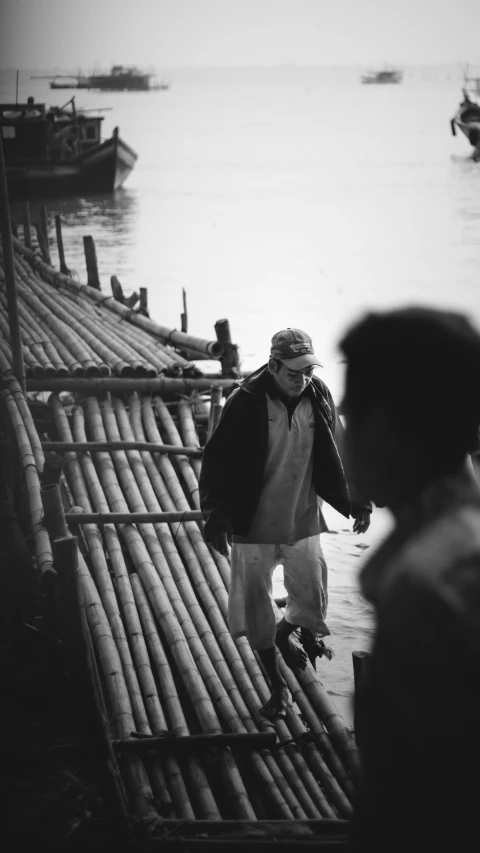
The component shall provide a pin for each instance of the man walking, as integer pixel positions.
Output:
(412, 410)
(273, 454)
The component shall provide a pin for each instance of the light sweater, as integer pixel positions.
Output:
(288, 508)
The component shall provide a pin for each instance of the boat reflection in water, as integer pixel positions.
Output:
(110, 218)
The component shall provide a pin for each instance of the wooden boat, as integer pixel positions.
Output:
(60, 152)
(467, 119)
(135, 602)
(386, 75)
(121, 78)
(64, 82)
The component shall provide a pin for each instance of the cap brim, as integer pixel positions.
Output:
(301, 361)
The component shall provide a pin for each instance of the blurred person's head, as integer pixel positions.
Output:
(411, 400)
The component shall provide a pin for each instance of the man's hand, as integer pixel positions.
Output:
(362, 522)
(221, 541)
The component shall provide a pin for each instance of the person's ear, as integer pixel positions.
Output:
(272, 366)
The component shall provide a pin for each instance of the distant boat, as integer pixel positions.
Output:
(64, 83)
(60, 152)
(467, 119)
(121, 78)
(386, 75)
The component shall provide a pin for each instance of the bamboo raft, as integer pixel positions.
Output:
(133, 591)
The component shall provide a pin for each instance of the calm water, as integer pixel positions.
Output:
(286, 197)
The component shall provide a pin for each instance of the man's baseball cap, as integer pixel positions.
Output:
(294, 348)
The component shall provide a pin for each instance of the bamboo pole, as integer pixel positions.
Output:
(6, 229)
(25, 414)
(187, 427)
(170, 336)
(92, 385)
(92, 446)
(102, 518)
(42, 542)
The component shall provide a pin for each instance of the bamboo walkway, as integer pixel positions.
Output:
(178, 697)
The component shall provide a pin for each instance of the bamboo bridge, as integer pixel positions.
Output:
(103, 421)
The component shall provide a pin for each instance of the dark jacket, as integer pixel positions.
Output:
(418, 704)
(234, 457)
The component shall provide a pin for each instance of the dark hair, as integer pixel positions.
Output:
(423, 366)
(277, 361)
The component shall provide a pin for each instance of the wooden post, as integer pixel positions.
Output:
(143, 307)
(52, 470)
(27, 228)
(54, 516)
(131, 301)
(61, 253)
(43, 244)
(9, 268)
(184, 316)
(229, 361)
(15, 230)
(44, 222)
(215, 408)
(93, 279)
(360, 661)
(117, 289)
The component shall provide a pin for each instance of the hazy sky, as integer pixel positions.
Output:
(172, 33)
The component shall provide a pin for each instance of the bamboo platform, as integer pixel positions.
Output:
(109, 493)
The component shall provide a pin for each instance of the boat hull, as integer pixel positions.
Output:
(101, 169)
(467, 119)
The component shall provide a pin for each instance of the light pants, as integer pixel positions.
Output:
(250, 601)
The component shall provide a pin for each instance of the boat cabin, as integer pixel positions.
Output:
(29, 132)
(23, 130)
